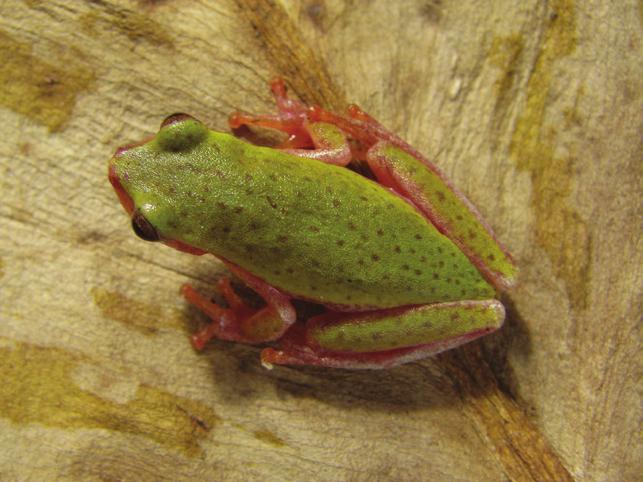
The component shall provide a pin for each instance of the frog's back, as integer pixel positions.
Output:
(315, 230)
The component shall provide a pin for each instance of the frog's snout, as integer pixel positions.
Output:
(121, 150)
(123, 197)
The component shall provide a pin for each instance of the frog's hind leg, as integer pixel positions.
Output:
(401, 168)
(329, 142)
(240, 322)
(381, 339)
(445, 207)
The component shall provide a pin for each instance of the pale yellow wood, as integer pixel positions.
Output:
(533, 108)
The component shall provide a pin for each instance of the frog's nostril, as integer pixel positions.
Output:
(120, 150)
(174, 118)
(143, 228)
(124, 149)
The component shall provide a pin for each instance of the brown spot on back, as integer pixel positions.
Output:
(272, 202)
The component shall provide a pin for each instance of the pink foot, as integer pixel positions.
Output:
(239, 322)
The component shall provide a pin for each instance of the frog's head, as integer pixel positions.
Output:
(150, 180)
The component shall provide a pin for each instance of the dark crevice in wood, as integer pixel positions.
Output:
(291, 57)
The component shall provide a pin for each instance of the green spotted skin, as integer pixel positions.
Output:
(328, 134)
(314, 230)
(368, 332)
(461, 223)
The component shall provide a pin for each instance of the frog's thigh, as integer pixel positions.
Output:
(331, 145)
(380, 339)
(445, 207)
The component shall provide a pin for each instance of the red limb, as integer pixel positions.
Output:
(297, 354)
(367, 339)
(290, 119)
(240, 322)
(320, 141)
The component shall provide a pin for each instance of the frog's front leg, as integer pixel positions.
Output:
(316, 140)
(385, 338)
(240, 322)
(290, 119)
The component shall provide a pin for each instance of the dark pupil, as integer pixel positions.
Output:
(143, 228)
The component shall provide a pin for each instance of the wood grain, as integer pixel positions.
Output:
(533, 108)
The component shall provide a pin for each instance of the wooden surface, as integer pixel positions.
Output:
(533, 108)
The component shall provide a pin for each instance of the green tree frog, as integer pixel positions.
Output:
(344, 214)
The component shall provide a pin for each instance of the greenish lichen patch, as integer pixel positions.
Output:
(39, 388)
(42, 91)
(136, 26)
(145, 318)
(269, 438)
(506, 53)
(560, 229)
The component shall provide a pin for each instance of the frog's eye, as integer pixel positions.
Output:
(143, 228)
(174, 118)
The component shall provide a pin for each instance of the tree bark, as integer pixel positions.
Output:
(532, 108)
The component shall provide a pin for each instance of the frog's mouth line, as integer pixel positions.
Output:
(123, 197)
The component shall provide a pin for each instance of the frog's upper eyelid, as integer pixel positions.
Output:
(174, 118)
